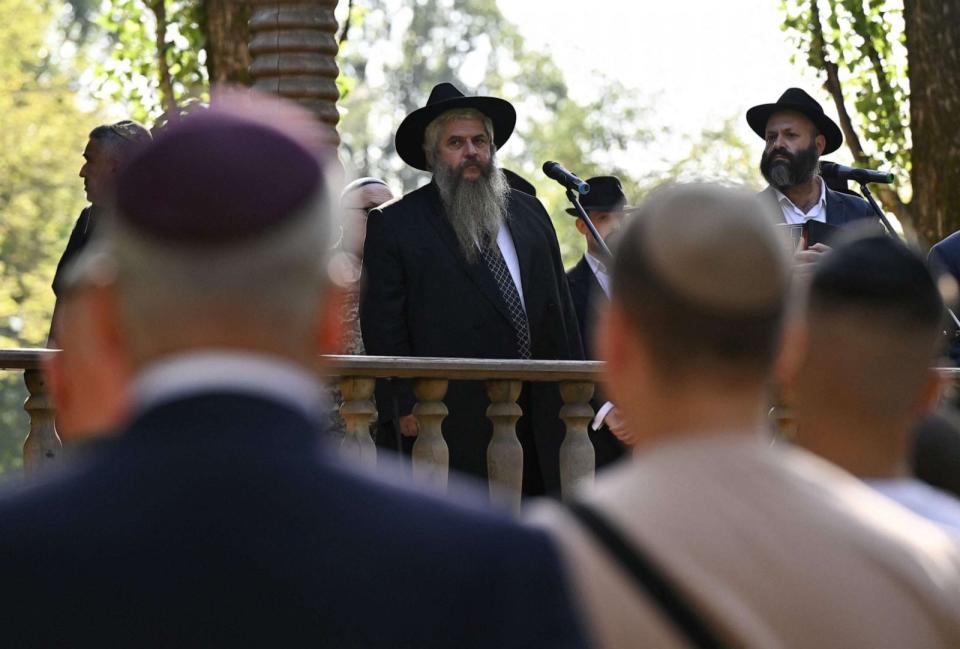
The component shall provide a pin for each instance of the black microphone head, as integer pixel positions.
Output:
(549, 166)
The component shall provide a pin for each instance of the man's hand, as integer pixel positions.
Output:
(409, 426)
(618, 426)
(811, 255)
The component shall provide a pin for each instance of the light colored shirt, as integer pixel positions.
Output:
(600, 272)
(603, 278)
(509, 252)
(933, 504)
(773, 546)
(794, 215)
(182, 375)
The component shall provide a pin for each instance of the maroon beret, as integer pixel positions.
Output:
(217, 176)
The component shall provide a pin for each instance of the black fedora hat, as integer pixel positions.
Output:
(605, 195)
(444, 97)
(797, 100)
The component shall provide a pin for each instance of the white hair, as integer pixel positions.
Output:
(431, 136)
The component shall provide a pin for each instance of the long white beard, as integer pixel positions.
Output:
(475, 208)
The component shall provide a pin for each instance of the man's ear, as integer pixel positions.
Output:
(929, 396)
(105, 317)
(821, 141)
(581, 226)
(330, 325)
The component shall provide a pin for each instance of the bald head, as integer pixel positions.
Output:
(700, 273)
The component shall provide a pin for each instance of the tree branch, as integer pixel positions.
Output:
(346, 25)
(166, 83)
(833, 86)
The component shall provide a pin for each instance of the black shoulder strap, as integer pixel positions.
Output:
(648, 578)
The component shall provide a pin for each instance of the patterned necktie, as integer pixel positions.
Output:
(508, 290)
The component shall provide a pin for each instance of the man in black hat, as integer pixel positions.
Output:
(797, 132)
(589, 283)
(109, 146)
(216, 517)
(467, 267)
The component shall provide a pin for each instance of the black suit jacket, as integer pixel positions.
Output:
(79, 236)
(217, 521)
(842, 209)
(586, 292)
(420, 297)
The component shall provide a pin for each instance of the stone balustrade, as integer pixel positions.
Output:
(357, 375)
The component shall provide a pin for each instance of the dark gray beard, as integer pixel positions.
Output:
(476, 209)
(797, 170)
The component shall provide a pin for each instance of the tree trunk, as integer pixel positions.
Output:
(227, 34)
(933, 45)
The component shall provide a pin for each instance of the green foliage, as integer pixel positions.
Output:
(129, 72)
(865, 39)
(466, 41)
(41, 141)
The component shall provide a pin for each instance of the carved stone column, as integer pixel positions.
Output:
(358, 411)
(505, 455)
(577, 458)
(294, 50)
(431, 457)
(42, 445)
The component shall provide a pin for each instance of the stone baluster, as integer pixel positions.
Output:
(294, 48)
(577, 458)
(431, 457)
(42, 445)
(504, 454)
(358, 411)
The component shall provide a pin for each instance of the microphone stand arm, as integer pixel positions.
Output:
(879, 212)
(582, 215)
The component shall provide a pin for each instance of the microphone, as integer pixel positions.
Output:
(569, 180)
(842, 172)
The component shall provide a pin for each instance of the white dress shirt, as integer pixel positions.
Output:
(795, 216)
(509, 253)
(600, 272)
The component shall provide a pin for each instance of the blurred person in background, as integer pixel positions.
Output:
(710, 535)
(109, 146)
(589, 281)
(859, 366)
(216, 517)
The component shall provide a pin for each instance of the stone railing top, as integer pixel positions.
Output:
(397, 366)
(413, 367)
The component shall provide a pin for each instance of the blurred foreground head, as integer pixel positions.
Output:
(858, 360)
(221, 237)
(698, 295)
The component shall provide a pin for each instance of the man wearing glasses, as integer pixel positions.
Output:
(108, 147)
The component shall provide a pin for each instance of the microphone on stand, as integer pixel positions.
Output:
(842, 172)
(567, 179)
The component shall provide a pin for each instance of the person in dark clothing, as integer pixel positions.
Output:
(108, 147)
(466, 267)
(589, 282)
(217, 517)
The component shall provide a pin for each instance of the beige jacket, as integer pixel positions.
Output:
(775, 547)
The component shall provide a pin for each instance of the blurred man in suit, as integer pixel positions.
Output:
(589, 282)
(708, 535)
(859, 368)
(215, 517)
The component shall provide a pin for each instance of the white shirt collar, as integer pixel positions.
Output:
(793, 214)
(182, 375)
